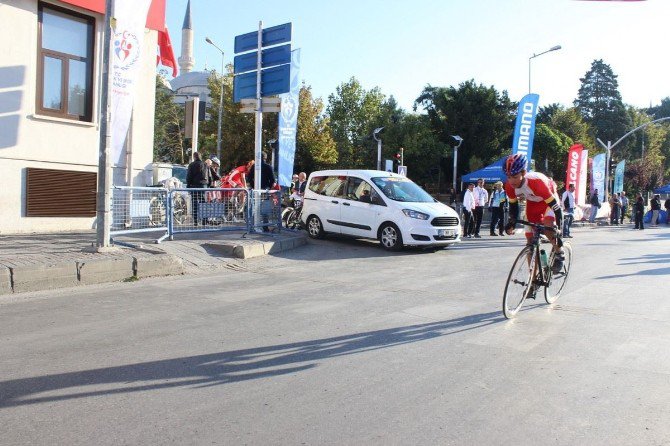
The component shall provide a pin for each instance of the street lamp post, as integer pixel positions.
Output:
(460, 141)
(375, 134)
(218, 130)
(553, 48)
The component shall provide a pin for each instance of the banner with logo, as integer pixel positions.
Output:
(573, 173)
(524, 131)
(288, 123)
(581, 196)
(124, 60)
(598, 175)
(618, 176)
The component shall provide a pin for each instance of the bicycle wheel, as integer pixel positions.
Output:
(179, 209)
(156, 212)
(558, 280)
(519, 281)
(286, 216)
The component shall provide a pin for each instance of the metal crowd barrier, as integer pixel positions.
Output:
(212, 209)
(267, 205)
(139, 209)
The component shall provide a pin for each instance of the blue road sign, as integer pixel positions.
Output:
(271, 57)
(274, 81)
(271, 36)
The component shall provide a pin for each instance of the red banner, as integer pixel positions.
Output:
(155, 18)
(573, 172)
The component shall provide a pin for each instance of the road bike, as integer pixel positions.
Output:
(532, 270)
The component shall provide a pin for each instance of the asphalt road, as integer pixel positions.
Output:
(341, 343)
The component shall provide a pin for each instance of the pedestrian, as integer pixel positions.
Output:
(655, 209)
(595, 205)
(267, 182)
(468, 210)
(481, 199)
(638, 210)
(568, 203)
(196, 178)
(497, 208)
(615, 204)
(667, 211)
(624, 205)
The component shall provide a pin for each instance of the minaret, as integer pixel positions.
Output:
(186, 60)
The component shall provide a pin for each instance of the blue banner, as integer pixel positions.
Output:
(524, 131)
(618, 176)
(598, 175)
(288, 123)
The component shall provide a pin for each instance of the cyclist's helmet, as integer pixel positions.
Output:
(515, 164)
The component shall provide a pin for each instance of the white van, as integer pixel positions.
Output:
(378, 205)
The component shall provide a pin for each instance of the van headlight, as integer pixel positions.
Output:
(415, 214)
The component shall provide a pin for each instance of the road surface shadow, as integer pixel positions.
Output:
(224, 367)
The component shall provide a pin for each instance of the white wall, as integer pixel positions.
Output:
(30, 140)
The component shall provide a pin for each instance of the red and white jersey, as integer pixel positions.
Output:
(536, 187)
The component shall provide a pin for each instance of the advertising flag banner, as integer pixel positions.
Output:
(124, 62)
(598, 175)
(581, 196)
(618, 176)
(573, 173)
(288, 123)
(524, 131)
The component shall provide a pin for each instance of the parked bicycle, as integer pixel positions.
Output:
(290, 216)
(532, 270)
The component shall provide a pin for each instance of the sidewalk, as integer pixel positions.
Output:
(35, 262)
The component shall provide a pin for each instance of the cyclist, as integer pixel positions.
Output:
(541, 204)
(237, 178)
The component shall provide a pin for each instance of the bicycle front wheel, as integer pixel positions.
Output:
(558, 279)
(519, 281)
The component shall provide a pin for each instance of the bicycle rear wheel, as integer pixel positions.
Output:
(519, 281)
(558, 280)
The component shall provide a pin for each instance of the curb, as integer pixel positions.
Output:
(247, 251)
(40, 277)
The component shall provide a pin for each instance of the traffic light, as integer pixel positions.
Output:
(612, 165)
(397, 156)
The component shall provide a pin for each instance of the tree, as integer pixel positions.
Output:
(315, 147)
(547, 112)
(600, 104)
(570, 123)
(354, 113)
(482, 116)
(551, 145)
(662, 110)
(168, 132)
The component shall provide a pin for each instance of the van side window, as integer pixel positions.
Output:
(358, 190)
(330, 186)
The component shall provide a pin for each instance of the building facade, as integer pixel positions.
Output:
(50, 81)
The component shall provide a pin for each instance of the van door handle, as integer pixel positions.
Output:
(334, 201)
(346, 204)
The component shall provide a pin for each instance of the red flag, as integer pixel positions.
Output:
(165, 53)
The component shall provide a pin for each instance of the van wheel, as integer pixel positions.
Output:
(314, 227)
(390, 237)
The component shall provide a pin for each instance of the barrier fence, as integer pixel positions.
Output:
(182, 210)
(139, 209)
(201, 210)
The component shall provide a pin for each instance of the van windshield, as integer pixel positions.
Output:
(402, 189)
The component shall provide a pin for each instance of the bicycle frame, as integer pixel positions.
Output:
(543, 274)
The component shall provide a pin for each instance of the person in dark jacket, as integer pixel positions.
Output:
(196, 178)
(638, 211)
(595, 205)
(655, 209)
(267, 175)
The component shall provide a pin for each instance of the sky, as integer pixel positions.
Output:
(402, 46)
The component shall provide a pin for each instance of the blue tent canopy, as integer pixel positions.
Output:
(493, 172)
(663, 189)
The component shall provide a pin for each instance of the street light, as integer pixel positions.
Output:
(218, 130)
(376, 132)
(553, 48)
(460, 141)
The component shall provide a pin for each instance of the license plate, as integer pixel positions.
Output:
(445, 232)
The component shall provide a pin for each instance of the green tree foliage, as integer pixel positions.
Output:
(662, 110)
(546, 112)
(649, 150)
(354, 113)
(315, 147)
(168, 120)
(569, 122)
(482, 116)
(551, 145)
(600, 104)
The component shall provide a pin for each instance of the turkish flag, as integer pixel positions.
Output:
(165, 52)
